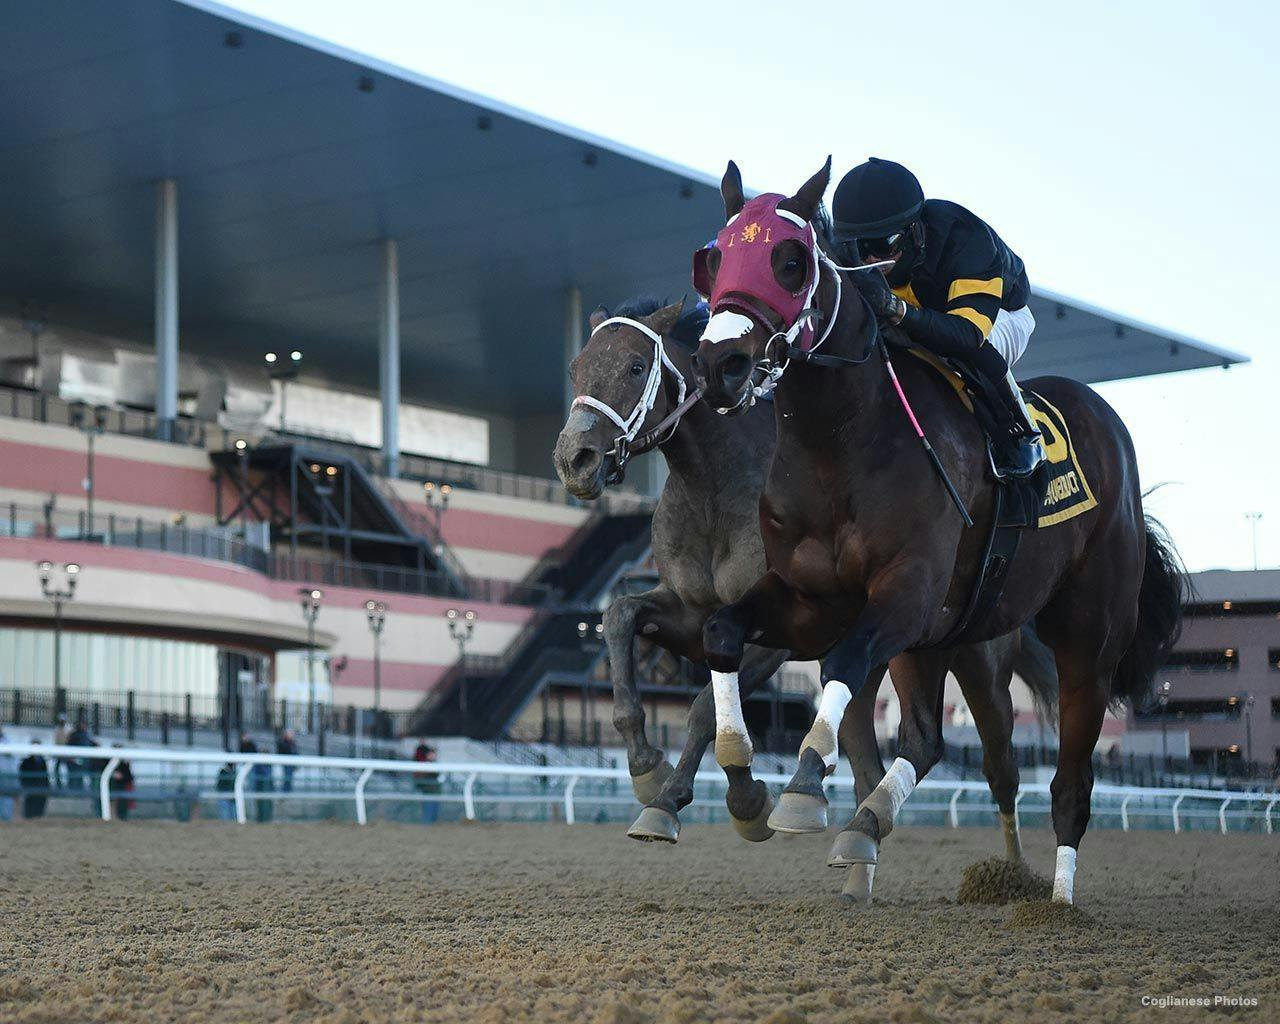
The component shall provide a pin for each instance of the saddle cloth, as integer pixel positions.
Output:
(1061, 490)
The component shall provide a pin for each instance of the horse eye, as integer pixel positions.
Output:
(637, 368)
(793, 264)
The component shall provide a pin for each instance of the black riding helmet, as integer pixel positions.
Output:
(876, 213)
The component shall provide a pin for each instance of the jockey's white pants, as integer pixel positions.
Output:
(1011, 332)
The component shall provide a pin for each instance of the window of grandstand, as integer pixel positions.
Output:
(1209, 709)
(1273, 658)
(101, 667)
(343, 416)
(1226, 659)
(1225, 758)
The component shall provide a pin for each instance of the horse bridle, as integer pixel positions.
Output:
(631, 442)
(771, 372)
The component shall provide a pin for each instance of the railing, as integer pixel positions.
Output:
(219, 543)
(176, 718)
(223, 545)
(569, 787)
(25, 404)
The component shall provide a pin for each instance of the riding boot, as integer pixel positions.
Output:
(1023, 450)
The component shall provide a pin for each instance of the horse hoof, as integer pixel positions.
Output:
(654, 825)
(799, 813)
(857, 884)
(853, 847)
(647, 786)
(733, 750)
(757, 829)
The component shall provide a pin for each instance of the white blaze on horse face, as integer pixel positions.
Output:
(580, 420)
(822, 737)
(725, 326)
(1064, 876)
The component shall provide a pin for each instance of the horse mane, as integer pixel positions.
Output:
(688, 329)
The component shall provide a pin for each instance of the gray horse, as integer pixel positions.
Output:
(630, 385)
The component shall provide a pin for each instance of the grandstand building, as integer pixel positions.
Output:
(1221, 688)
(275, 319)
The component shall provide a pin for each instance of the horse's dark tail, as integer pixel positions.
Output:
(1035, 666)
(1164, 588)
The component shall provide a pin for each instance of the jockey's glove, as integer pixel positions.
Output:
(875, 289)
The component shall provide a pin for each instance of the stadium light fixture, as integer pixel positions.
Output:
(58, 596)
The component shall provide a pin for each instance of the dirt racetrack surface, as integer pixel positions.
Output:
(497, 923)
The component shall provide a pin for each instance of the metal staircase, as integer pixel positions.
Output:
(315, 496)
(480, 696)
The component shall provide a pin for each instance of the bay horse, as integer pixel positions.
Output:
(868, 558)
(708, 550)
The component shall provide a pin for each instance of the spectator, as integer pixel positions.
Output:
(428, 783)
(8, 782)
(286, 744)
(61, 766)
(122, 782)
(79, 769)
(227, 784)
(260, 777)
(33, 775)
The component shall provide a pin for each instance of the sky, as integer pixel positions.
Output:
(1125, 151)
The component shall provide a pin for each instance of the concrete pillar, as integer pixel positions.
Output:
(389, 355)
(572, 338)
(166, 319)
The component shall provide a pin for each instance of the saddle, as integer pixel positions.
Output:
(1056, 492)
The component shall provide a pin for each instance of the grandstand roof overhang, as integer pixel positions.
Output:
(293, 158)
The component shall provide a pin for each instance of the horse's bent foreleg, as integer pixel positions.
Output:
(663, 618)
(724, 639)
(748, 799)
(984, 672)
(858, 736)
(888, 623)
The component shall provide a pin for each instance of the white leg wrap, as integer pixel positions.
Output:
(1012, 840)
(733, 744)
(724, 686)
(887, 798)
(822, 737)
(1064, 876)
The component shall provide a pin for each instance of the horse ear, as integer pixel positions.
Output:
(662, 320)
(731, 191)
(598, 316)
(805, 202)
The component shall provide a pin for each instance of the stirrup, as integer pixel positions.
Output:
(1019, 456)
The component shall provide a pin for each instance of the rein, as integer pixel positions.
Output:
(871, 341)
(631, 442)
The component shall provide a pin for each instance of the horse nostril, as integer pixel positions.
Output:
(587, 459)
(736, 367)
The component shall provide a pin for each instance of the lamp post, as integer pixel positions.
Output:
(437, 498)
(278, 369)
(1248, 730)
(376, 613)
(592, 639)
(1254, 518)
(58, 596)
(92, 427)
(311, 600)
(242, 466)
(1165, 687)
(461, 626)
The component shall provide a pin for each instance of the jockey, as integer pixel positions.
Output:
(954, 287)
